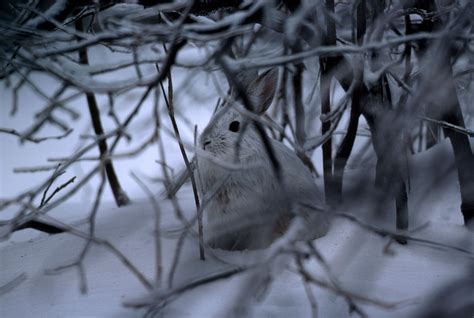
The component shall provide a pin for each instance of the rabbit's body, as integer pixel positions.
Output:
(251, 206)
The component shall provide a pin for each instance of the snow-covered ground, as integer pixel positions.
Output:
(358, 259)
(409, 273)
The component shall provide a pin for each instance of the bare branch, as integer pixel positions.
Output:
(34, 139)
(12, 284)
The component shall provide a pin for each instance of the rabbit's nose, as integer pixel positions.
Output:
(207, 142)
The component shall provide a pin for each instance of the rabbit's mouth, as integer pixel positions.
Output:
(215, 151)
(216, 148)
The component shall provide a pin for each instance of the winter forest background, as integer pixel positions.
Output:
(102, 103)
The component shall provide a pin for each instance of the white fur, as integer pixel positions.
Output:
(244, 205)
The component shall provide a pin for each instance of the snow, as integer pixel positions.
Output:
(408, 274)
(356, 257)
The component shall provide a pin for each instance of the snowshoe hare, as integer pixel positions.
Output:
(249, 206)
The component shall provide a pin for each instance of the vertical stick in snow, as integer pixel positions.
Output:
(120, 196)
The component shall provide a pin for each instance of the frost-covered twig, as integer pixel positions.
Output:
(79, 262)
(108, 245)
(152, 302)
(396, 235)
(445, 124)
(347, 294)
(35, 140)
(157, 210)
(170, 106)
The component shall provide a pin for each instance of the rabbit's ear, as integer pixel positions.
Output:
(262, 89)
(243, 78)
(247, 76)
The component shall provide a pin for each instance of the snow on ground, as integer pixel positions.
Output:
(357, 258)
(410, 273)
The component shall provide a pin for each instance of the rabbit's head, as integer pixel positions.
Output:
(229, 127)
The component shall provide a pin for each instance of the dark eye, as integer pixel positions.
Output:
(234, 126)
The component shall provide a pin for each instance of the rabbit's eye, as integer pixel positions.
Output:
(234, 126)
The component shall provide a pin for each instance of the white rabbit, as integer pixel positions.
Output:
(250, 207)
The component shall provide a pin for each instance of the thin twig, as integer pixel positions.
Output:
(55, 175)
(169, 103)
(114, 250)
(58, 189)
(311, 298)
(12, 284)
(189, 286)
(35, 140)
(79, 262)
(157, 209)
(321, 283)
(445, 124)
(396, 235)
(120, 195)
(200, 211)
